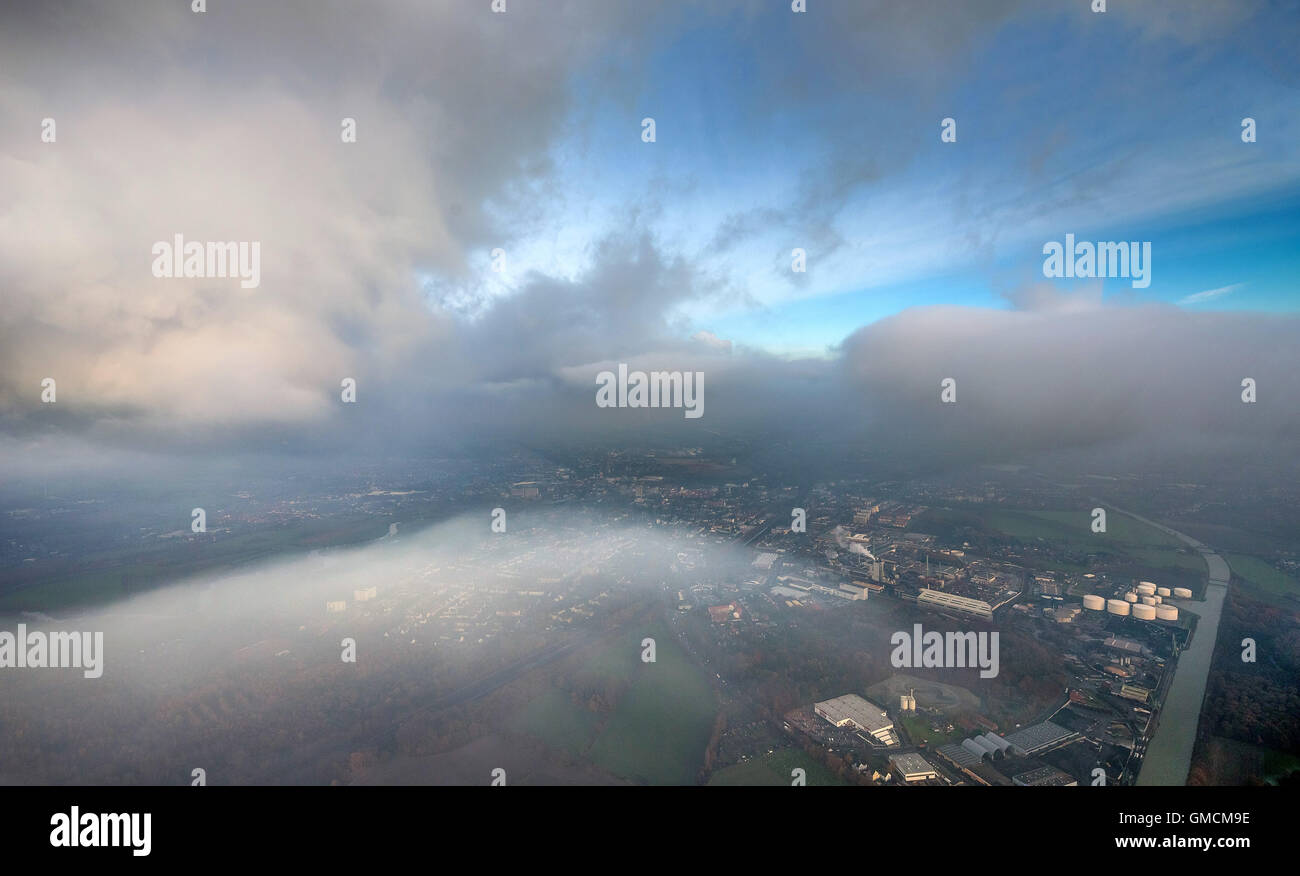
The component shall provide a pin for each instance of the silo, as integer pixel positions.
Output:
(1158, 599)
(1093, 602)
(1183, 592)
(1117, 606)
(1146, 588)
(1144, 612)
(1130, 597)
(1148, 600)
(1167, 612)
(1162, 591)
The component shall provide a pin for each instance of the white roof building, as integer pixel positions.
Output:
(852, 710)
(912, 767)
(941, 599)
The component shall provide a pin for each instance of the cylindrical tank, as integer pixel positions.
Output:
(1117, 606)
(1183, 592)
(1144, 612)
(1162, 591)
(1167, 612)
(1146, 588)
(1158, 599)
(1148, 600)
(1094, 602)
(1130, 597)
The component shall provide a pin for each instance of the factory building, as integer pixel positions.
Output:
(912, 768)
(1039, 737)
(1135, 692)
(940, 599)
(983, 747)
(853, 711)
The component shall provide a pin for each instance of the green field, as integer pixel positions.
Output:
(109, 575)
(774, 769)
(660, 725)
(1124, 537)
(555, 719)
(1263, 581)
(918, 729)
(1076, 526)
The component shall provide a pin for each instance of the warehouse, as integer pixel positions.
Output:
(852, 710)
(912, 768)
(940, 599)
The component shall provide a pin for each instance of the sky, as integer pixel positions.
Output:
(521, 134)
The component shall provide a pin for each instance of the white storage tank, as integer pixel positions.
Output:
(1163, 591)
(1146, 588)
(1167, 612)
(1144, 612)
(1183, 592)
(1148, 600)
(1130, 597)
(1094, 602)
(1158, 599)
(1117, 606)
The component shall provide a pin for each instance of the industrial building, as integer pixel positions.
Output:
(852, 710)
(989, 745)
(1039, 737)
(912, 768)
(1135, 692)
(960, 756)
(940, 599)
